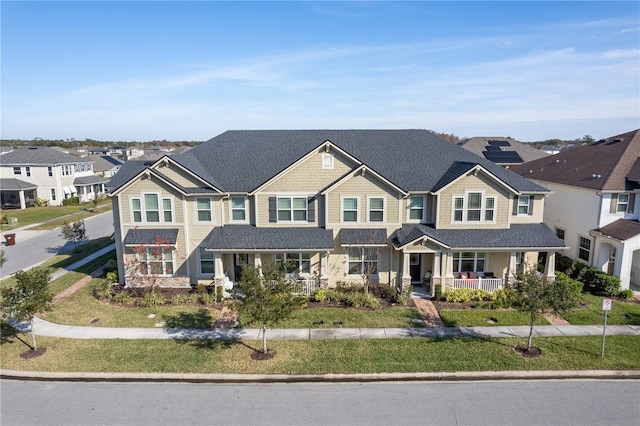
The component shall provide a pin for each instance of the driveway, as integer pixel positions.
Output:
(34, 247)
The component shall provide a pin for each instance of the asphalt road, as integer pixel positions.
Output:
(549, 402)
(34, 247)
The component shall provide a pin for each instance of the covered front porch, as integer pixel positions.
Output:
(303, 252)
(483, 259)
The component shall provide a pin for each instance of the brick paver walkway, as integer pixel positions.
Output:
(77, 286)
(227, 318)
(556, 320)
(428, 313)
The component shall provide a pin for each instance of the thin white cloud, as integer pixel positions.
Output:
(621, 53)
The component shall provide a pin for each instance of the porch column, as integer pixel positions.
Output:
(511, 269)
(257, 260)
(23, 204)
(436, 277)
(406, 271)
(550, 266)
(218, 277)
(324, 270)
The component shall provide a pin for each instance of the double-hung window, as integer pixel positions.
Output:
(292, 209)
(376, 209)
(350, 209)
(238, 209)
(136, 210)
(151, 208)
(27, 171)
(167, 210)
(50, 171)
(416, 208)
(207, 262)
(560, 233)
(295, 262)
(17, 170)
(203, 209)
(524, 204)
(362, 261)
(623, 203)
(584, 249)
(474, 207)
(156, 260)
(468, 261)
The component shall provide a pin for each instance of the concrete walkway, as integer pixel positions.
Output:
(44, 328)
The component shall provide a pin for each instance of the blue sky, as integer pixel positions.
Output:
(190, 70)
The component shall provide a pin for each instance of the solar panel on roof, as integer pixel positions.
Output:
(493, 148)
(503, 156)
(496, 142)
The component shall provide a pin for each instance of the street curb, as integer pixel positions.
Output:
(323, 378)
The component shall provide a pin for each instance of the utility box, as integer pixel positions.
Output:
(12, 221)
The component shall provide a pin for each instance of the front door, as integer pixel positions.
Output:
(415, 267)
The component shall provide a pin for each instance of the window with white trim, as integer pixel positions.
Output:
(136, 209)
(151, 208)
(295, 262)
(27, 171)
(156, 260)
(148, 209)
(207, 262)
(292, 209)
(327, 161)
(474, 207)
(468, 261)
(350, 209)
(167, 210)
(524, 204)
(53, 194)
(416, 208)
(362, 260)
(622, 204)
(560, 233)
(376, 209)
(203, 209)
(584, 249)
(50, 171)
(17, 170)
(67, 170)
(238, 209)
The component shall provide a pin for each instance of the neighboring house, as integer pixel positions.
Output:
(41, 172)
(105, 165)
(551, 149)
(399, 206)
(506, 152)
(593, 206)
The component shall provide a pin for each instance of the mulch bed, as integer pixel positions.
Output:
(532, 352)
(262, 356)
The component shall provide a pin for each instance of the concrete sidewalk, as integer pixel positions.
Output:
(44, 328)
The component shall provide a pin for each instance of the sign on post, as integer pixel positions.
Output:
(606, 307)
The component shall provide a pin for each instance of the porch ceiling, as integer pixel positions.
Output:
(248, 237)
(524, 236)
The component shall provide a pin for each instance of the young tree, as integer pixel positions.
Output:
(536, 296)
(267, 297)
(74, 232)
(28, 298)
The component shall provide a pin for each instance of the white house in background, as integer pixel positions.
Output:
(41, 172)
(593, 206)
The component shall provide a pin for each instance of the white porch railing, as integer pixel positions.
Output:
(486, 284)
(303, 287)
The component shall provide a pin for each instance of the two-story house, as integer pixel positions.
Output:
(41, 172)
(399, 206)
(593, 205)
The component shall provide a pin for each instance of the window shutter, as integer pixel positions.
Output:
(515, 205)
(632, 202)
(273, 210)
(531, 199)
(311, 210)
(613, 207)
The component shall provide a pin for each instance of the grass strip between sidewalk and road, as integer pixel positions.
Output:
(321, 356)
(47, 215)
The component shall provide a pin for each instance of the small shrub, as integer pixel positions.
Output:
(437, 292)
(335, 296)
(386, 292)
(564, 264)
(5, 219)
(348, 288)
(207, 298)
(71, 201)
(626, 294)
(319, 295)
(599, 282)
(102, 289)
(404, 297)
(112, 277)
(468, 295)
(122, 298)
(151, 299)
(41, 202)
(219, 293)
(202, 288)
(184, 299)
(363, 300)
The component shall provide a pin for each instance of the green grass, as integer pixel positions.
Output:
(33, 215)
(486, 317)
(329, 317)
(321, 356)
(621, 313)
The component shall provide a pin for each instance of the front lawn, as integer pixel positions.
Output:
(486, 317)
(33, 215)
(590, 312)
(321, 356)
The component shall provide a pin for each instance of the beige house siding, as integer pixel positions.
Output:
(363, 187)
(178, 175)
(538, 211)
(430, 208)
(149, 185)
(180, 255)
(481, 183)
(199, 230)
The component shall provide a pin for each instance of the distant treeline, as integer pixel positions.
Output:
(71, 143)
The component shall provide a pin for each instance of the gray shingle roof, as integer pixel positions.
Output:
(160, 236)
(247, 237)
(15, 185)
(414, 160)
(90, 180)
(362, 237)
(536, 235)
(39, 155)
